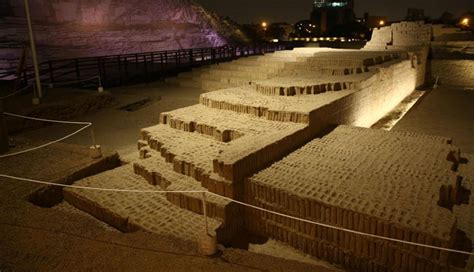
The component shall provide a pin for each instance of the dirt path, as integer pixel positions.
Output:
(444, 112)
(117, 129)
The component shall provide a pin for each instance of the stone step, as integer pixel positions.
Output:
(248, 75)
(353, 59)
(218, 165)
(224, 126)
(254, 69)
(131, 212)
(245, 99)
(236, 73)
(290, 86)
(160, 173)
(192, 154)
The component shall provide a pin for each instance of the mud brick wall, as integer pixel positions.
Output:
(411, 34)
(453, 72)
(450, 33)
(240, 146)
(310, 197)
(134, 212)
(376, 97)
(401, 34)
(381, 36)
(156, 171)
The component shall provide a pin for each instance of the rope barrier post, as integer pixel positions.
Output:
(95, 150)
(435, 86)
(36, 98)
(100, 89)
(207, 243)
(3, 131)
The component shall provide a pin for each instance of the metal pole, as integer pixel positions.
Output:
(33, 51)
(3, 131)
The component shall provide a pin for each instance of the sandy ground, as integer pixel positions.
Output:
(445, 112)
(117, 129)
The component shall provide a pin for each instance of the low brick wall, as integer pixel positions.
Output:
(453, 72)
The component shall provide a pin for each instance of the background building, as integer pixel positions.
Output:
(327, 14)
(306, 28)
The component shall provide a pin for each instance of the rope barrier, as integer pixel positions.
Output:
(244, 204)
(96, 188)
(15, 93)
(86, 125)
(46, 120)
(73, 81)
(344, 229)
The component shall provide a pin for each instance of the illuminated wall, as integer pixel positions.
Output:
(377, 97)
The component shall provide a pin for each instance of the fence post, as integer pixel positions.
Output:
(146, 66)
(51, 72)
(213, 55)
(104, 74)
(119, 69)
(191, 57)
(152, 55)
(25, 77)
(99, 67)
(3, 131)
(162, 62)
(125, 62)
(78, 72)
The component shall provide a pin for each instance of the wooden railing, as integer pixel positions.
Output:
(116, 70)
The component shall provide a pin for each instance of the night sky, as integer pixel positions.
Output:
(246, 11)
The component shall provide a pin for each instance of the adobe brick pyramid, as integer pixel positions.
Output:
(262, 139)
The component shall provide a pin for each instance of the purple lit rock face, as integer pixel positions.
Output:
(66, 29)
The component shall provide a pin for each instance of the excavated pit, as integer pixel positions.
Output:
(50, 196)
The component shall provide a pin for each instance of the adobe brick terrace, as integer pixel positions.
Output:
(261, 136)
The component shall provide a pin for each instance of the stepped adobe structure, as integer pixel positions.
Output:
(264, 134)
